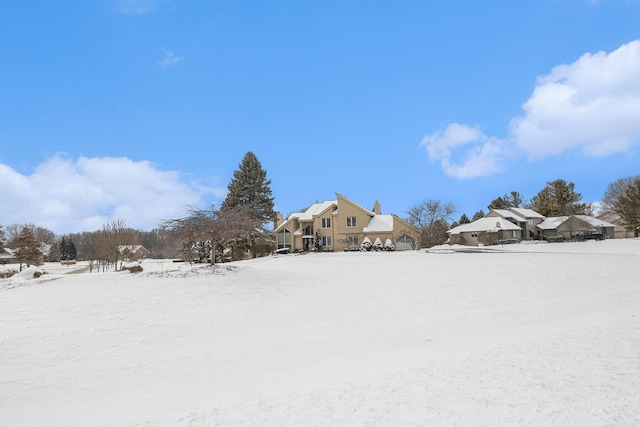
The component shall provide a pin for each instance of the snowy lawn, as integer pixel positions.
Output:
(544, 334)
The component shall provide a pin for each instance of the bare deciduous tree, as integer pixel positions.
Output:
(113, 235)
(234, 228)
(616, 191)
(432, 218)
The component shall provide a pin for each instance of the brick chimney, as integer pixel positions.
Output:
(376, 208)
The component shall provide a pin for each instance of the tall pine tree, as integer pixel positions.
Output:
(28, 251)
(558, 198)
(250, 188)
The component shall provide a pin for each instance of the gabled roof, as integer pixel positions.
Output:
(312, 211)
(367, 211)
(504, 213)
(316, 209)
(490, 224)
(554, 222)
(526, 213)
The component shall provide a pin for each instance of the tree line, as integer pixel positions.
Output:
(237, 228)
(233, 230)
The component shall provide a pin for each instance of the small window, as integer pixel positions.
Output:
(352, 239)
(326, 241)
(326, 222)
(474, 234)
(351, 221)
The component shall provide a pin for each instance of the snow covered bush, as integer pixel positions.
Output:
(377, 245)
(366, 245)
(388, 245)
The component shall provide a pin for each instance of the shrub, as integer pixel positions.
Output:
(377, 245)
(388, 245)
(366, 245)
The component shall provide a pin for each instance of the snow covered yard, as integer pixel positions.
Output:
(521, 335)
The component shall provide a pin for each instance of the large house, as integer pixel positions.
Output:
(342, 224)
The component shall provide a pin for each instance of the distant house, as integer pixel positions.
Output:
(342, 224)
(572, 225)
(620, 231)
(133, 252)
(7, 256)
(485, 231)
(526, 219)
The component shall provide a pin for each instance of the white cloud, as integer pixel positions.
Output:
(71, 196)
(592, 104)
(169, 59)
(483, 155)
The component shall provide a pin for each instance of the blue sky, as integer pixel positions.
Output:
(136, 109)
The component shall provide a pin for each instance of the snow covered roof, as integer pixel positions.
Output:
(526, 213)
(504, 213)
(595, 221)
(316, 209)
(485, 224)
(554, 222)
(313, 210)
(379, 223)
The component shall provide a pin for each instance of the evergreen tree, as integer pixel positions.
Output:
(464, 219)
(71, 250)
(510, 200)
(558, 198)
(28, 251)
(64, 255)
(250, 188)
(317, 243)
(67, 249)
(478, 215)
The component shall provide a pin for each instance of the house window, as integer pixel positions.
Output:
(405, 243)
(284, 239)
(474, 234)
(513, 234)
(353, 240)
(326, 241)
(351, 221)
(308, 230)
(530, 221)
(326, 222)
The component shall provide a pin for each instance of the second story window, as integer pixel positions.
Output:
(326, 222)
(351, 221)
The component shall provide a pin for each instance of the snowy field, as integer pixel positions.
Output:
(545, 334)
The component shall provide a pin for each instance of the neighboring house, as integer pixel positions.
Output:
(7, 256)
(485, 231)
(620, 231)
(133, 252)
(526, 219)
(572, 225)
(342, 224)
